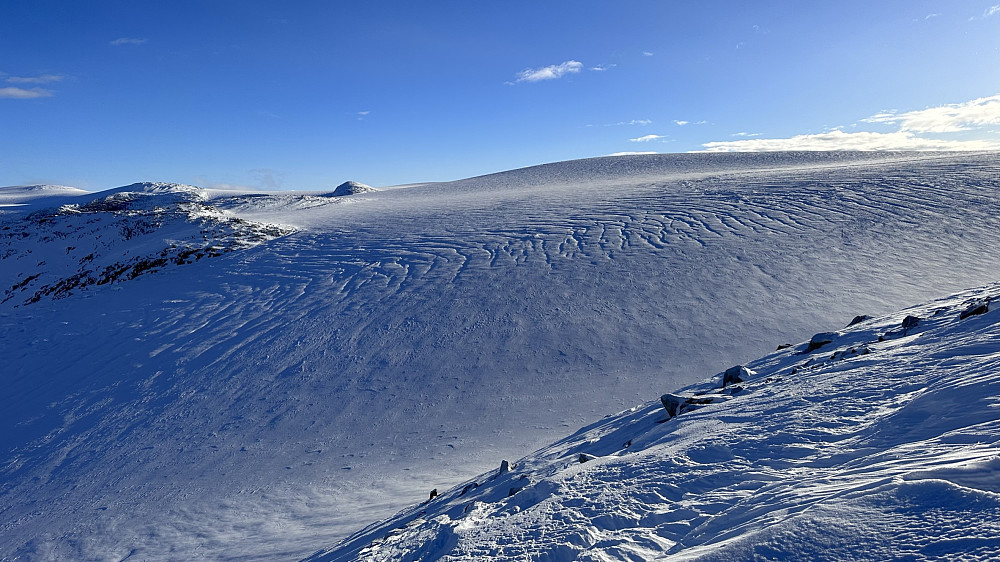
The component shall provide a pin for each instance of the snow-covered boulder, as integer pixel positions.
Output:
(736, 374)
(352, 188)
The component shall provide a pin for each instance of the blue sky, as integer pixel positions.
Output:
(307, 94)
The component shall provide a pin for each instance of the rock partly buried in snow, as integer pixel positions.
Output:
(736, 374)
(675, 405)
(352, 188)
(819, 340)
(977, 307)
(859, 319)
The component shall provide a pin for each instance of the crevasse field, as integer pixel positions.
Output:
(193, 373)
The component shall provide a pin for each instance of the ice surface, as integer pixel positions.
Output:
(263, 402)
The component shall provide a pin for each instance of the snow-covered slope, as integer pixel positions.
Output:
(114, 236)
(269, 400)
(882, 443)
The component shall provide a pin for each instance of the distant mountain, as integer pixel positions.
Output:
(330, 360)
(881, 443)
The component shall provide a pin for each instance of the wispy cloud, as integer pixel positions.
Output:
(950, 118)
(602, 67)
(551, 72)
(43, 79)
(839, 140)
(24, 94)
(630, 123)
(681, 123)
(647, 53)
(745, 134)
(988, 12)
(127, 41)
(647, 138)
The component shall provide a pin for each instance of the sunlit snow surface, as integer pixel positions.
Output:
(344, 355)
(883, 444)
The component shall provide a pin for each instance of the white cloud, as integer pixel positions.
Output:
(681, 123)
(630, 153)
(363, 113)
(839, 140)
(929, 16)
(551, 72)
(949, 118)
(647, 53)
(745, 134)
(988, 12)
(23, 94)
(647, 138)
(127, 41)
(44, 79)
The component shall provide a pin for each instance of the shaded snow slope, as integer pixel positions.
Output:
(263, 403)
(883, 443)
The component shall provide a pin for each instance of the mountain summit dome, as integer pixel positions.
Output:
(352, 188)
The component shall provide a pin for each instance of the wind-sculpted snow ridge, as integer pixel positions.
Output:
(881, 443)
(115, 236)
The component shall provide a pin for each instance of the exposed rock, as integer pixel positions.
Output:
(977, 307)
(859, 319)
(504, 469)
(352, 188)
(675, 405)
(736, 374)
(909, 323)
(819, 340)
(783, 346)
(584, 457)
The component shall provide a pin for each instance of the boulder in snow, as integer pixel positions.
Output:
(736, 374)
(977, 307)
(675, 405)
(859, 319)
(819, 340)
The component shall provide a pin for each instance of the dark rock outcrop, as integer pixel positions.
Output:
(675, 405)
(977, 307)
(736, 374)
(859, 319)
(819, 340)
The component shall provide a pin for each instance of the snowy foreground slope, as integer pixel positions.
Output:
(190, 373)
(874, 442)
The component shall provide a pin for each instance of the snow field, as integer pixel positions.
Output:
(265, 402)
(868, 448)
